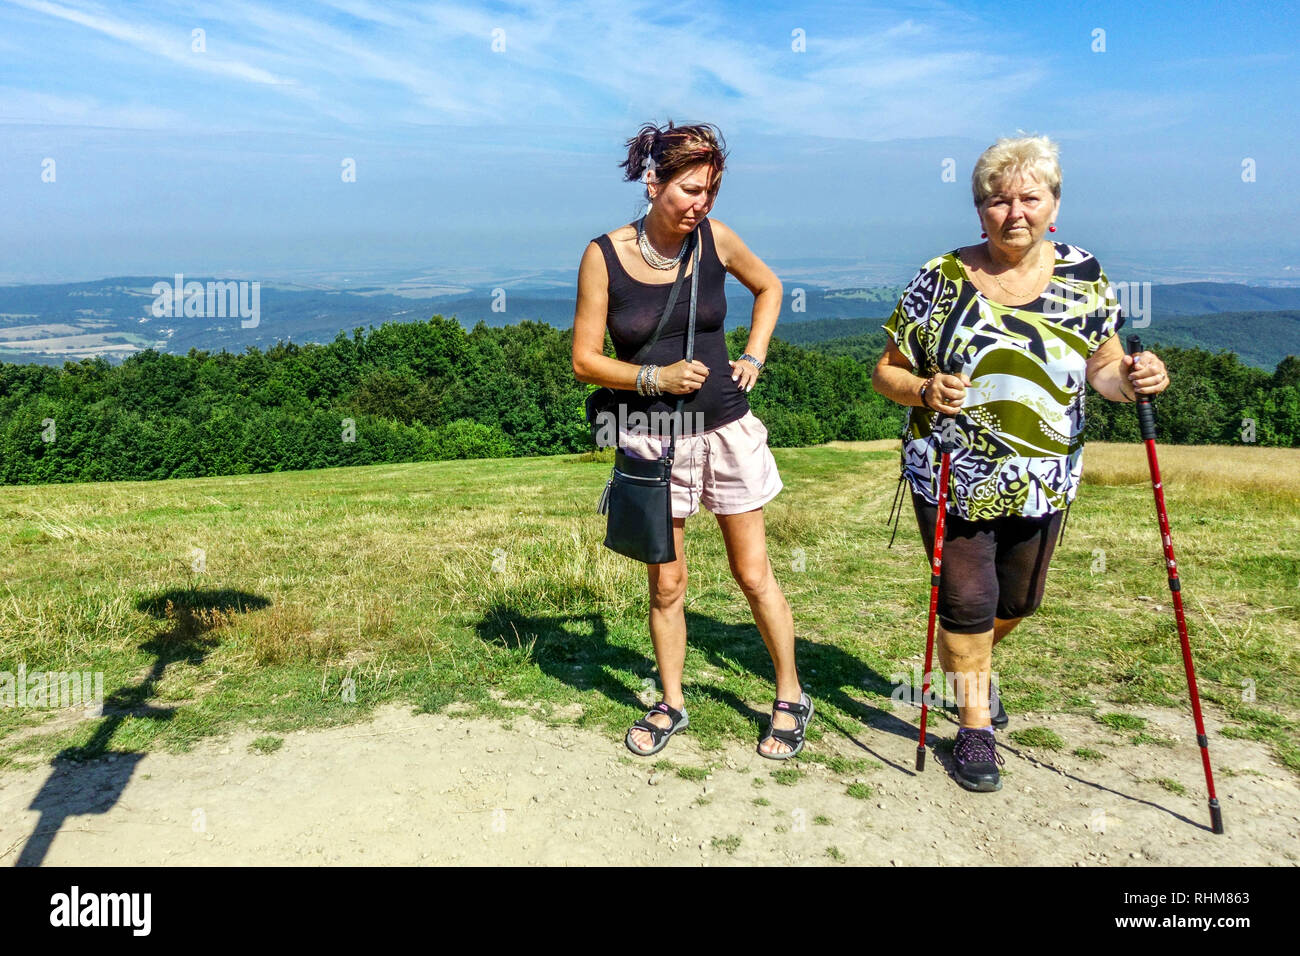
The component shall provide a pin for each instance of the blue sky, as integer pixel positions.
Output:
(487, 164)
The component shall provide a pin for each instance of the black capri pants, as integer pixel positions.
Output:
(996, 567)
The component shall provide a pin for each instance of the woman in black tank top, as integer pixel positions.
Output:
(634, 310)
(624, 283)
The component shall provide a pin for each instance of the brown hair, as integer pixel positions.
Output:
(673, 148)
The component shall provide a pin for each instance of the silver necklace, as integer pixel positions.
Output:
(651, 255)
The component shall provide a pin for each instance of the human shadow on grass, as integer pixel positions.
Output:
(573, 648)
(91, 778)
(827, 669)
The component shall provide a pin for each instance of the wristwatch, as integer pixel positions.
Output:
(753, 361)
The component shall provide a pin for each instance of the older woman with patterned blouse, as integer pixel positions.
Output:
(1002, 336)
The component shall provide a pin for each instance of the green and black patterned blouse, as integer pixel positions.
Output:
(1018, 441)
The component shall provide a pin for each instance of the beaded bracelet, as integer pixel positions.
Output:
(928, 382)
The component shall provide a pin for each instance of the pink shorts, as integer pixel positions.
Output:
(728, 469)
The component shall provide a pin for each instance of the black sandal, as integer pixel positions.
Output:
(659, 734)
(802, 713)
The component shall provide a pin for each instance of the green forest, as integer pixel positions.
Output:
(434, 390)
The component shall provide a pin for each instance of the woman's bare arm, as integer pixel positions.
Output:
(893, 378)
(755, 276)
(590, 363)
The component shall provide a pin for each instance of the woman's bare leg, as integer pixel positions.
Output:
(969, 657)
(746, 539)
(668, 630)
(1002, 627)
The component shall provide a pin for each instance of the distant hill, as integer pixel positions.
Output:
(1201, 298)
(112, 317)
(1261, 339)
(819, 331)
(51, 324)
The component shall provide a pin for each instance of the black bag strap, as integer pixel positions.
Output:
(672, 300)
(690, 347)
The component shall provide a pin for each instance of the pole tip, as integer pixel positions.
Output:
(920, 757)
(1216, 816)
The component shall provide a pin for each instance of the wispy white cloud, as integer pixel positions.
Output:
(866, 73)
(467, 152)
(170, 45)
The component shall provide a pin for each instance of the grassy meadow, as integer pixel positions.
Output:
(291, 600)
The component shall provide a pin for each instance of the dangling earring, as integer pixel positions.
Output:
(1052, 228)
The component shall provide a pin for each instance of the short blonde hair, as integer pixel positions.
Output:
(1012, 156)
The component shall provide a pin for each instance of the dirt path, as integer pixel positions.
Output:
(407, 789)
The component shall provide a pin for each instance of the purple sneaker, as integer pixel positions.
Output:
(977, 759)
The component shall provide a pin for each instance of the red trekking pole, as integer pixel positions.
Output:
(1147, 422)
(946, 424)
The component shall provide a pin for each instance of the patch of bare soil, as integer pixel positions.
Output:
(448, 789)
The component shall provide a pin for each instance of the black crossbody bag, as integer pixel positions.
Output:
(638, 496)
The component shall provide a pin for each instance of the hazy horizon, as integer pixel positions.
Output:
(485, 138)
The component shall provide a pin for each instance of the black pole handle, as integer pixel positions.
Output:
(949, 366)
(1146, 414)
